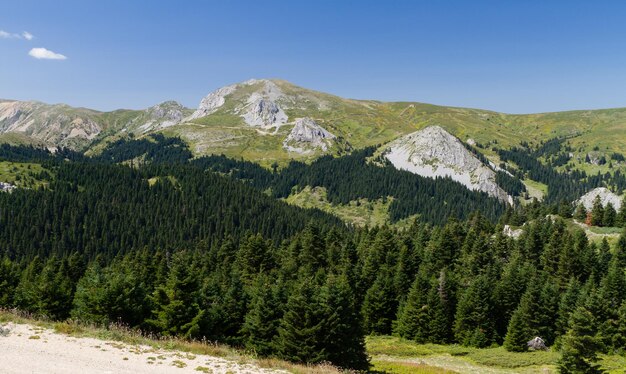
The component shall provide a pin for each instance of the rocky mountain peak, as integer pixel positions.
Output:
(259, 106)
(307, 136)
(433, 152)
(160, 116)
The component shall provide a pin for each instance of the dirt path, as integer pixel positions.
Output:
(31, 349)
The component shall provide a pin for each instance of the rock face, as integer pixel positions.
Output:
(308, 136)
(433, 152)
(162, 115)
(262, 107)
(606, 196)
(213, 101)
(262, 112)
(54, 124)
(6, 187)
(512, 233)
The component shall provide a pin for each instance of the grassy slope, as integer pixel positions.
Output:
(393, 354)
(362, 212)
(21, 174)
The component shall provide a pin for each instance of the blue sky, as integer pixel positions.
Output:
(511, 56)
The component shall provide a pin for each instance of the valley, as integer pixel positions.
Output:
(411, 237)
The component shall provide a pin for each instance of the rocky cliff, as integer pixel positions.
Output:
(606, 196)
(161, 116)
(308, 136)
(433, 152)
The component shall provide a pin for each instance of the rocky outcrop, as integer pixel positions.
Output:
(308, 136)
(6, 187)
(262, 112)
(606, 196)
(260, 107)
(433, 152)
(537, 344)
(511, 232)
(162, 115)
(213, 101)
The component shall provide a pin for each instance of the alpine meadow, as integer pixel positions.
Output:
(275, 228)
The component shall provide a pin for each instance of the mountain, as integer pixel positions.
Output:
(272, 120)
(59, 125)
(54, 125)
(433, 152)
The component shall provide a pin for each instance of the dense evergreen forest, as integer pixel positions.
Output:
(175, 247)
(567, 185)
(352, 177)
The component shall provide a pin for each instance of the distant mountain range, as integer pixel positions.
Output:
(269, 120)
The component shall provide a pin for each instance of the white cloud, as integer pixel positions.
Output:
(10, 35)
(42, 53)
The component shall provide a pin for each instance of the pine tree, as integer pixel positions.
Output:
(580, 345)
(313, 253)
(604, 258)
(509, 290)
(609, 216)
(380, 305)
(597, 212)
(580, 214)
(300, 332)
(90, 297)
(441, 303)
(343, 336)
(253, 256)
(567, 304)
(474, 319)
(9, 278)
(177, 311)
(413, 319)
(261, 322)
(232, 310)
(524, 324)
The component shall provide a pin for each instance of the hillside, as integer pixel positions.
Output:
(255, 120)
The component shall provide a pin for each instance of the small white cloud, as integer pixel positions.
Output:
(42, 53)
(8, 35)
(11, 35)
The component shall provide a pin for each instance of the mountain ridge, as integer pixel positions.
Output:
(252, 119)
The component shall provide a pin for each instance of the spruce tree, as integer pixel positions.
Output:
(609, 216)
(260, 327)
(343, 336)
(524, 324)
(177, 310)
(597, 212)
(9, 278)
(579, 351)
(413, 318)
(474, 319)
(301, 328)
(380, 305)
(441, 303)
(580, 214)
